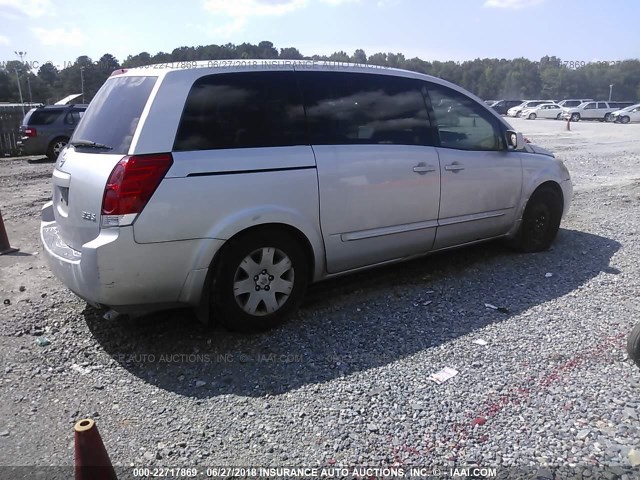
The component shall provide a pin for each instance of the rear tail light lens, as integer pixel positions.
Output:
(30, 132)
(130, 186)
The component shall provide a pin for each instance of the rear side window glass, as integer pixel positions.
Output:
(354, 108)
(463, 123)
(112, 117)
(73, 117)
(242, 110)
(44, 117)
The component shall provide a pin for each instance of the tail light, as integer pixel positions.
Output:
(130, 186)
(30, 132)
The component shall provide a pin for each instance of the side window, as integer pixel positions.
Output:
(72, 117)
(461, 122)
(602, 105)
(242, 110)
(44, 117)
(357, 108)
(590, 106)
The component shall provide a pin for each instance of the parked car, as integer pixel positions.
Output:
(501, 106)
(517, 110)
(589, 111)
(46, 130)
(626, 115)
(544, 110)
(572, 102)
(230, 190)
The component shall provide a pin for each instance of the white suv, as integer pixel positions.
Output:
(229, 186)
(590, 111)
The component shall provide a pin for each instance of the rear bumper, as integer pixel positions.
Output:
(32, 146)
(114, 271)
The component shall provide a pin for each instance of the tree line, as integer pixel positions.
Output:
(489, 78)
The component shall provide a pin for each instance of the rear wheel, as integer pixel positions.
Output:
(633, 344)
(260, 281)
(56, 146)
(624, 119)
(540, 222)
(532, 116)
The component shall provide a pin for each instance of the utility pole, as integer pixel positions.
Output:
(20, 91)
(610, 89)
(21, 55)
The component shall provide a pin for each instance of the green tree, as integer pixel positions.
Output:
(290, 53)
(359, 56)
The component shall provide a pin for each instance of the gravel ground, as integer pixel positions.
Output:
(346, 383)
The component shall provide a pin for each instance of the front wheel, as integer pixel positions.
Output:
(559, 116)
(261, 281)
(633, 344)
(608, 117)
(575, 117)
(540, 221)
(624, 119)
(532, 116)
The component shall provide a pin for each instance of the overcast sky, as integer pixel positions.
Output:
(580, 30)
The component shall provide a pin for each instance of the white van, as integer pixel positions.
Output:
(229, 186)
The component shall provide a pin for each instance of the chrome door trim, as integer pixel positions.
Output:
(473, 217)
(379, 232)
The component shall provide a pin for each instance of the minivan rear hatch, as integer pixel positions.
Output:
(103, 137)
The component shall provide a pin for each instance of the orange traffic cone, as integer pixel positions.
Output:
(4, 240)
(92, 460)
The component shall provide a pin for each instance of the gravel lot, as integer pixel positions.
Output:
(346, 383)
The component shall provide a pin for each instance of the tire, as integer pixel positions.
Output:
(559, 116)
(633, 345)
(260, 281)
(540, 221)
(607, 117)
(55, 147)
(575, 117)
(625, 119)
(532, 116)
(518, 114)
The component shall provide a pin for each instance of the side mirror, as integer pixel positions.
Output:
(515, 140)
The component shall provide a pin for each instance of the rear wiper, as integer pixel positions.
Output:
(90, 144)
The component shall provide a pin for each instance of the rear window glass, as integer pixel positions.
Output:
(112, 117)
(242, 110)
(43, 117)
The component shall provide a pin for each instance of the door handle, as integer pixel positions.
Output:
(422, 168)
(454, 167)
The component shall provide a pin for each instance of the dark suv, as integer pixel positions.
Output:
(501, 106)
(46, 130)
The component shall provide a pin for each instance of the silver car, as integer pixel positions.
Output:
(230, 186)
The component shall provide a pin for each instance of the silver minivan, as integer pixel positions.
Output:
(229, 186)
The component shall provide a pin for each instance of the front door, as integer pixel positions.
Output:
(481, 181)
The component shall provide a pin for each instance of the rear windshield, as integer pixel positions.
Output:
(112, 117)
(42, 117)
